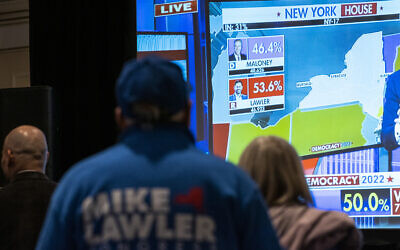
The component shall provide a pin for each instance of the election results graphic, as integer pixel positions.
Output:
(265, 93)
(256, 55)
(249, 56)
(359, 195)
(359, 183)
(314, 74)
(308, 15)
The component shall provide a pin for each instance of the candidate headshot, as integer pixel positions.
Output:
(237, 54)
(238, 95)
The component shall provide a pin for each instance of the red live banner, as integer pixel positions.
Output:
(266, 86)
(175, 8)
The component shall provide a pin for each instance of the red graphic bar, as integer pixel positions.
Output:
(396, 201)
(175, 8)
(266, 86)
(332, 180)
(359, 9)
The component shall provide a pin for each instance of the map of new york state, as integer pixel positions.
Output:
(342, 108)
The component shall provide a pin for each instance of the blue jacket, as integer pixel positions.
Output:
(390, 107)
(154, 190)
(233, 97)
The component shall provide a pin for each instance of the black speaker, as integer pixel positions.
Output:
(29, 106)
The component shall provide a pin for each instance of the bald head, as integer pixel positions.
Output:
(24, 148)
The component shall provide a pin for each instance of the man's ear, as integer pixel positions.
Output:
(46, 160)
(10, 154)
(10, 158)
(120, 119)
(188, 109)
(118, 116)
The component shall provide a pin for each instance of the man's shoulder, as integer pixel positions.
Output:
(393, 83)
(40, 184)
(6, 192)
(84, 175)
(119, 161)
(396, 73)
(27, 190)
(394, 76)
(220, 170)
(203, 158)
(96, 163)
(115, 153)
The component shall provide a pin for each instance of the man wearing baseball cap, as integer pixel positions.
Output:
(154, 189)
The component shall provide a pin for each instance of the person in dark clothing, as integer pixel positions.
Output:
(153, 189)
(275, 165)
(390, 135)
(24, 201)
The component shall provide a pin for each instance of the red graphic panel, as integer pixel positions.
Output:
(332, 180)
(266, 86)
(360, 9)
(175, 8)
(396, 201)
(220, 139)
(309, 165)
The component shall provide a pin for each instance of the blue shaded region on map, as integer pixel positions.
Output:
(390, 51)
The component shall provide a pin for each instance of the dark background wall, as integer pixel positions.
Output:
(78, 47)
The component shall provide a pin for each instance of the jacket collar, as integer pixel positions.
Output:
(23, 175)
(159, 141)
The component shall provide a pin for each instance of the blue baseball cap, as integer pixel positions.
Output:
(152, 80)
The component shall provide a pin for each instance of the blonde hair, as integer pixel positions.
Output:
(276, 167)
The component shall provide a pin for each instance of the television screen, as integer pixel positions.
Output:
(169, 45)
(313, 73)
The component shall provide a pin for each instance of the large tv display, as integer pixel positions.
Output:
(313, 73)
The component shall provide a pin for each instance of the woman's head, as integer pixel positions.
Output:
(274, 164)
